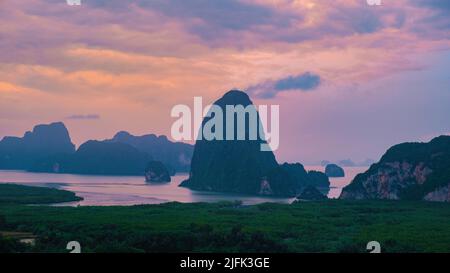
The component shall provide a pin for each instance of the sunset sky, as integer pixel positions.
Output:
(351, 79)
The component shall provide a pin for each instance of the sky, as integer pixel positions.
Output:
(351, 79)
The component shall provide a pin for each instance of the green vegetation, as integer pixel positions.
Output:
(325, 226)
(19, 194)
(10, 245)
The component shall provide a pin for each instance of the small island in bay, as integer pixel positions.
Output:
(156, 172)
(333, 170)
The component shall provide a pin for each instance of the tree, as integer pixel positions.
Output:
(2, 221)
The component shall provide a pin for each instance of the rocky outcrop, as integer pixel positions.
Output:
(43, 141)
(234, 165)
(441, 194)
(240, 166)
(297, 173)
(411, 171)
(333, 170)
(318, 179)
(175, 155)
(302, 178)
(310, 193)
(389, 180)
(156, 172)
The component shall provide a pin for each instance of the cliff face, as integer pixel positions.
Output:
(388, 181)
(43, 141)
(411, 171)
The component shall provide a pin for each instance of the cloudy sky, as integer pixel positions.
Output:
(351, 79)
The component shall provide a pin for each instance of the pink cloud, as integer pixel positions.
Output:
(144, 58)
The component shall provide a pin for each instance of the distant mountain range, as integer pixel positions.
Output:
(96, 157)
(348, 163)
(48, 148)
(175, 155)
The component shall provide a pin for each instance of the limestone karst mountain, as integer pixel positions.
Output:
(239, 165)
(43, 141)
(48, 148)
(174, 155)
(411, 171)
(333, 170)
(156, 172)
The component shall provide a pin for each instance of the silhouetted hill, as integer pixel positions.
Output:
(310, 193)
(175, 155)
(239, 165)
(333, 170)
(318, 179)
(232, 165)
(302, 178)
(125, 154)
(43, 141)
(99, 158)
(407, 171)
(156, 172)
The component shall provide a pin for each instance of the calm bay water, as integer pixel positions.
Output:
(132, 190)
(337, 183)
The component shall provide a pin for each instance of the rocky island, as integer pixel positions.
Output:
(156, 172)
(240, 166)
(333, 170)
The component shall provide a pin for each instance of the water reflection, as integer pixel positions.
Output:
(132, 190)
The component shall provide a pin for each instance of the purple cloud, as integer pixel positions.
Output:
(269, 89)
